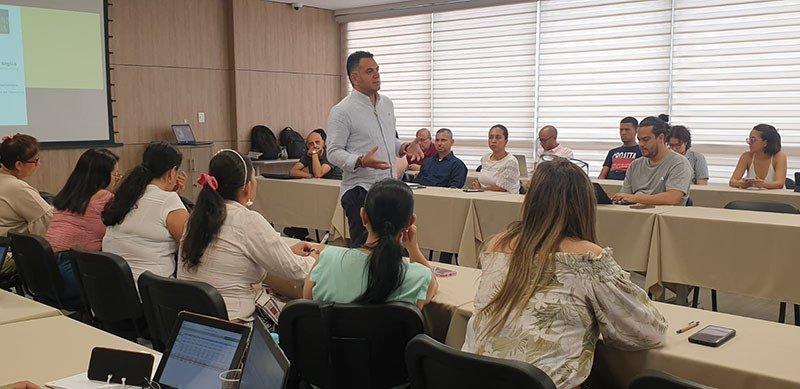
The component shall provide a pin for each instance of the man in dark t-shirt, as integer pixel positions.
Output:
(619, 159)
(314, 164)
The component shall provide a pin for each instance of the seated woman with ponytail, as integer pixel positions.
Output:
(145, 219)
(231, 247)
(376, 272)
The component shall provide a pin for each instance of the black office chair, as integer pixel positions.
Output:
(38, 270)
(432, 365)
(653, 379)
(347, 345)
(764, 206)
(164, 298)
(107, 288)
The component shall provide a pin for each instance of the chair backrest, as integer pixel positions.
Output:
(107, 286)
(653, 379)
(581, 164)
(36, 265)
(348, 345)
(523, 165)
(790, 183)
(164, 298)
(762, 206)
(432, 365)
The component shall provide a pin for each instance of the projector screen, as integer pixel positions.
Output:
(54, 71)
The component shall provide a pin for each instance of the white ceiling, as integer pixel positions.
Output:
(340, 4)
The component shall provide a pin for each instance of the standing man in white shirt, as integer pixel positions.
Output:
(363, 140)
(548, 139)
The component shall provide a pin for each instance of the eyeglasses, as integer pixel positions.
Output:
(33, 161)
(676, 145)
(751, 140)
(543, 140)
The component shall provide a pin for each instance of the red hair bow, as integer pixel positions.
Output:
(208, 180)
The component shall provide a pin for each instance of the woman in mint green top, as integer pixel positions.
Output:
(376, 273)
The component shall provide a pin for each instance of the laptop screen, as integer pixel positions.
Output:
(198, 355)
(266, 364)
(3, 250)
(183, 133)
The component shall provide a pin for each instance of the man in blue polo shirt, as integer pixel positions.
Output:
(444, 169)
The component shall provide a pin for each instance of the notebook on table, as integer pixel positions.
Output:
(200, 349)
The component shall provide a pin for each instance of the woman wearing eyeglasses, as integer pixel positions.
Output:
(680, 141)
(76, 221)
(24, 209)
(764, 164)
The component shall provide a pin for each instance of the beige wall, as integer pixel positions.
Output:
(242, 62)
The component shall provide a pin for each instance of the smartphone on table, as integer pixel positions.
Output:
(442, 272)
(712, 336)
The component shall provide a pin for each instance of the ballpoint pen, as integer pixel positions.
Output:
(688, 327)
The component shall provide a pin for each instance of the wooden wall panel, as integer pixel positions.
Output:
(182, 33)
(277, 100)
(149, 99)
(273, 37)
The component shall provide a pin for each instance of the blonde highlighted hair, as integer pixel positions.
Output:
(559, 204)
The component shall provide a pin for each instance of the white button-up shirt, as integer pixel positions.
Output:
(355, 127)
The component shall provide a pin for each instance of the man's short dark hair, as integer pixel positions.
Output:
(659, 127)
(445, 131)
(630, 120)
(354, 59)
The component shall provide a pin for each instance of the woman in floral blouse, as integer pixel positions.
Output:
(548, 291)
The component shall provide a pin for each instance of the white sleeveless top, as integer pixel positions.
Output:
(751, 171)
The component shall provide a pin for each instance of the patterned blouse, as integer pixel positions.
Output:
(503, 173)
(582, 297)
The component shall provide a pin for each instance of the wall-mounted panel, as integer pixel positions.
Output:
(149, 99)
(181, 33)
(274, 37)
(277, 100)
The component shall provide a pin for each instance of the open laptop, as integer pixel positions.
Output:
(600, 193)
(200, 349)
(266, 365)
(185, 136)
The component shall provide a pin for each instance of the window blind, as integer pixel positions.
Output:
(736, 64)
(601, 61)
(464, 70)
(717, 66)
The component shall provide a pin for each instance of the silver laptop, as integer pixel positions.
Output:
(266, 365)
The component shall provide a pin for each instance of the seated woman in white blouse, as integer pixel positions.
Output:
(145, 219)
(231, 247)
(499, 169)
(548, 291)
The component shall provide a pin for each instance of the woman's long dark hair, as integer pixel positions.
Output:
(389, 206)
(91, 173)
(158, 158)
(232, 172)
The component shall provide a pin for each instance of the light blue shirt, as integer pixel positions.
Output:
(355, 127)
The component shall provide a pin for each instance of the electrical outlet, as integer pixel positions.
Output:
(201, 117)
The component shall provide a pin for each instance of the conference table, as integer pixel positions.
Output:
(759, 356)
(708, 247)
(15, 308)
(51, 348)
(717, 196)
